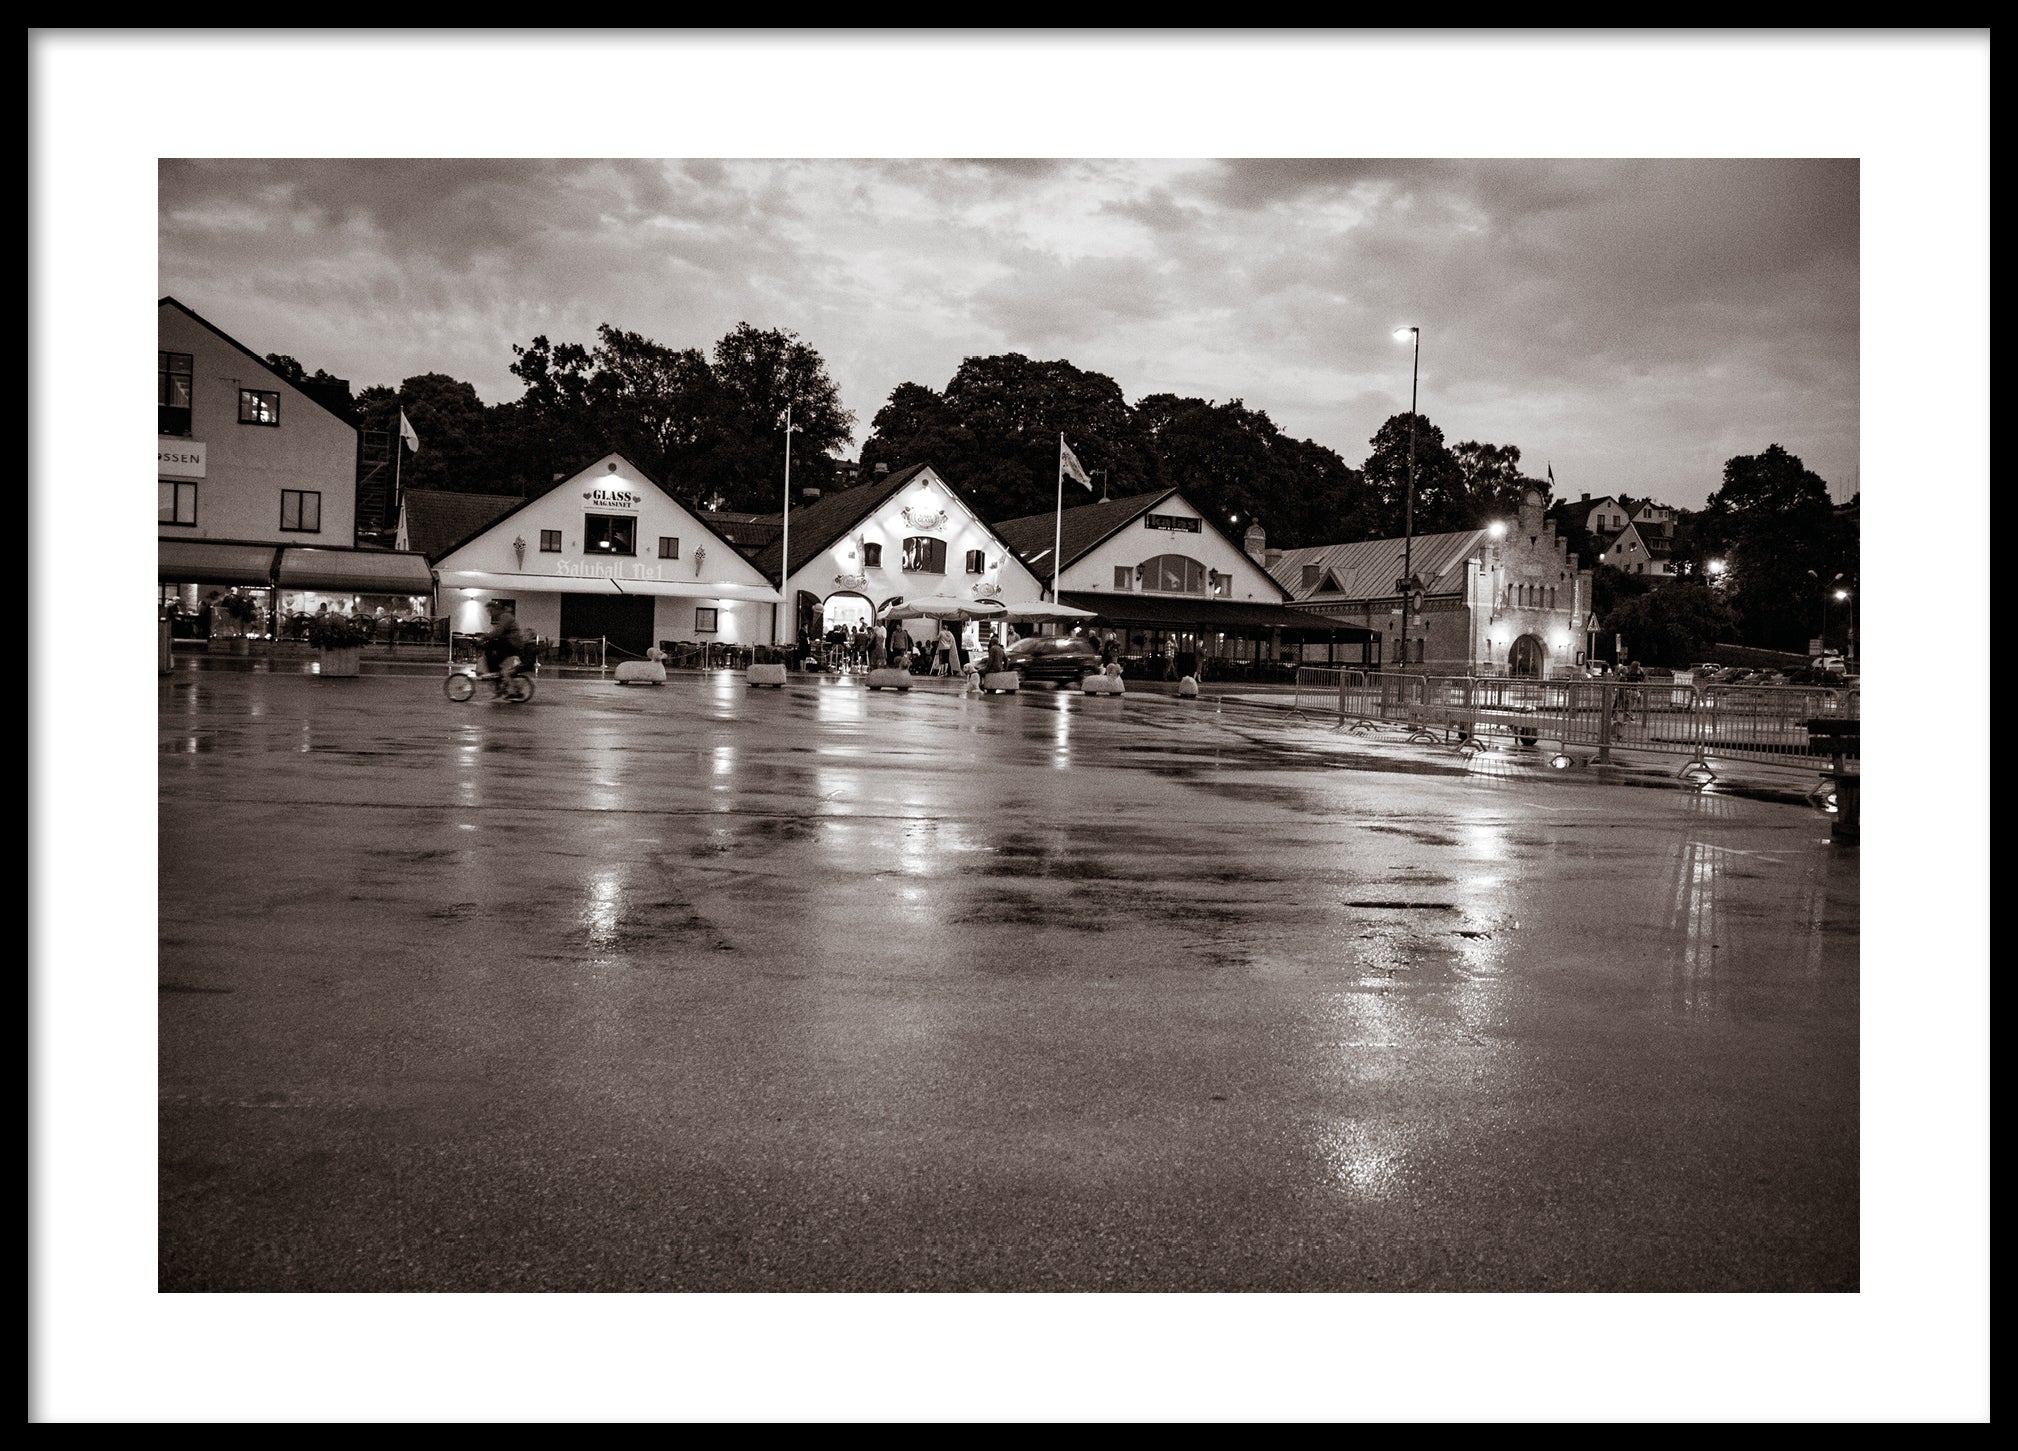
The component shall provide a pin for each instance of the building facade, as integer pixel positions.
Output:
(606, 555)
(257, 484)
(1173, 591)
(1492, 602)
(904, 536)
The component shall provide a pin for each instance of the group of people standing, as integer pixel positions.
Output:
(871, 647)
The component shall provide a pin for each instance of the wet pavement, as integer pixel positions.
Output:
(703, 988)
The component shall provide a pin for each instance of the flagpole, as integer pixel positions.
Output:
(398, 457)
(791, 630)
(1058, 519)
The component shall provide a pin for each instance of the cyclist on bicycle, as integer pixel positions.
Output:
(504, 641)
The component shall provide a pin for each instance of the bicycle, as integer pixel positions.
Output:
(515, 685)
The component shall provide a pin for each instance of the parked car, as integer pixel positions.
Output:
(1064, 658)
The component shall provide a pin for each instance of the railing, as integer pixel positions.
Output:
(1792, 725)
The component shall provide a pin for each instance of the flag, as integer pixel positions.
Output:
(406, 432)
(1552, 478)
(1069, 465)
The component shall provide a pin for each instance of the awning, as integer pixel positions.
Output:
(356, 571)
(203, 561)
(1184, 612)
(685, 589)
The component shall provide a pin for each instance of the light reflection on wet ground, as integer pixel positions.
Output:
(705, 988)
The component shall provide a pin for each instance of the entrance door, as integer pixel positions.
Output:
(1526, 656)
(625, 619)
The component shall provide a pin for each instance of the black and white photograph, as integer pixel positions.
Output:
(945, 728)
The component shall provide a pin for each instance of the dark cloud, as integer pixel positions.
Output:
(1625, 318)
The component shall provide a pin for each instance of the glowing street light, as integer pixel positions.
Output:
(1497, 529)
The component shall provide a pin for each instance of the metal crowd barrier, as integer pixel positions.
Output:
(1791, 725)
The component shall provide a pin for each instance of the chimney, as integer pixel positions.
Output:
(882, 469)
(1255, 542)
(1272, 558)
(1587, 498)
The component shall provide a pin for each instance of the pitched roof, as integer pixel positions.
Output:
(1078, 530)
(1155, 612)
(819, 524)
(1367, 570)
(438, 519)
(306, 392)
(531, 499)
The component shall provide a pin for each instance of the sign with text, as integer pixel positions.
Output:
(611, 496)
(607, 569)
(179, 459)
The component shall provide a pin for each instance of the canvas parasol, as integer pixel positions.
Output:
(1043, 612)
(944, 607)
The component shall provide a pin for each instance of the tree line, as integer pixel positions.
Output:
(709, 424)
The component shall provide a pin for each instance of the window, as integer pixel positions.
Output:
(669, 547)
(550, 541)
(977, 562)
(925, 556)
(177, 373)
(1124, 577)
(301, 509)
(872, 556)
(704, 621)
(178, 502)
(1174, 574)
(257, 407)
(608, 534)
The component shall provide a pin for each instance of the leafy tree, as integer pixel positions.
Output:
(702, 427)
(756, 373)
(1494, 485)
(994, 432)
(459, 445)
(1782, 543)
(1673, 625)
(1232, 460)
(1441, 498)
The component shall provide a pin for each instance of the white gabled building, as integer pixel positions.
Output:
(1168, 585)
(907, 535)
(607, 554)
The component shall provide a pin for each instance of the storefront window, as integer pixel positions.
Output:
(178, 502)
(301, 509)
(1174, 574)
(176, 370)
(609, 534)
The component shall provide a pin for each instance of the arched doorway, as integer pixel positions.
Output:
(1526, 657)
(847, 609)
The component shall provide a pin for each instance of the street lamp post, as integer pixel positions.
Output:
(790, 632)
(1412, 336)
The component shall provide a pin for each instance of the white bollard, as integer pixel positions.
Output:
(772, 674)
(1103, 685)
(889, 678)
(1004, 681)
(641, 672)
(1187, 688)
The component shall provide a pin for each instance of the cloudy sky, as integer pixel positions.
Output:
(1633, 323)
